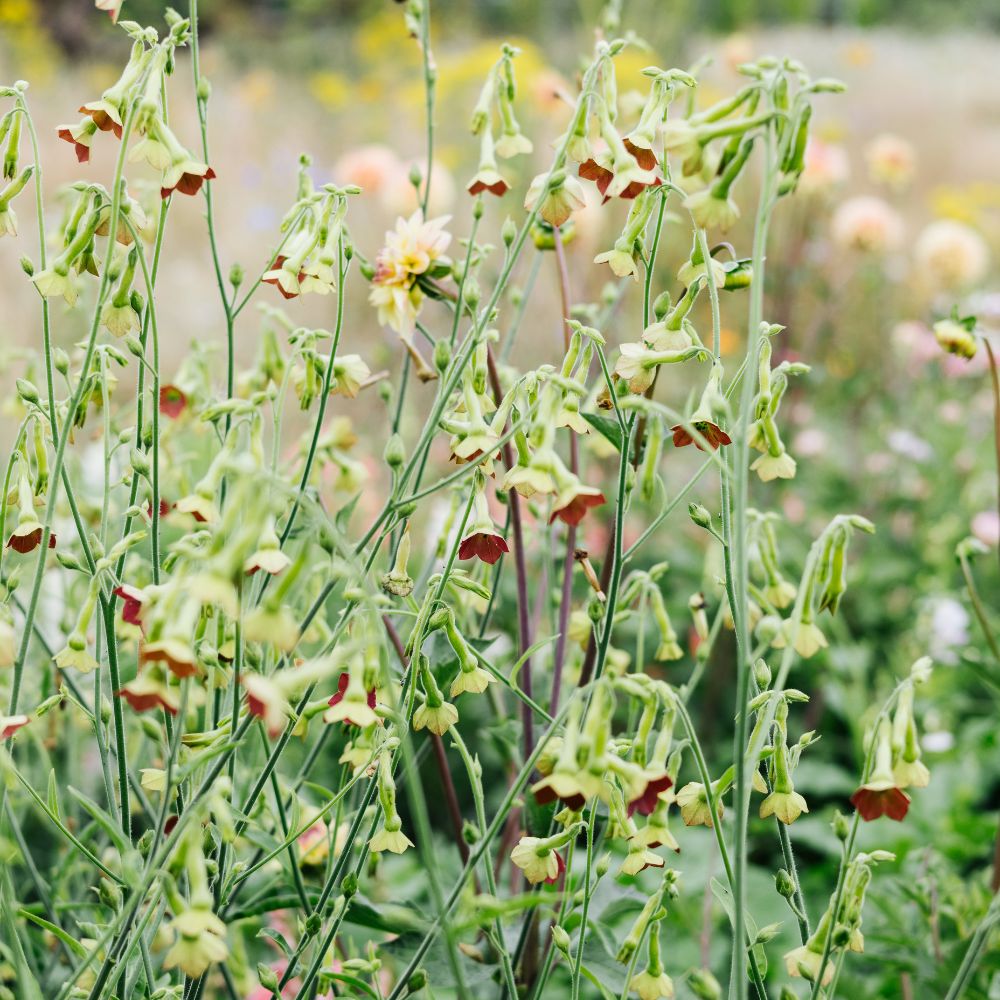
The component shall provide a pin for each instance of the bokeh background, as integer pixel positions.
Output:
(896, 222)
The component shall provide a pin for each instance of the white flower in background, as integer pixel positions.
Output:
(944, 628)
(909, 445)
(892, 160)
(867, 223)
(951, 254)
(938, 742)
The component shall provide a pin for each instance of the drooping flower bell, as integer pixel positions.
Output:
(703, 420)
(784, 803)
(389, 836)
(481, 539)
(880, 795)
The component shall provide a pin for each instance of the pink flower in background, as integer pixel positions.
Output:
(986, 527)
(892, 160)
(371, 167)
(868, 224)
(826, 167)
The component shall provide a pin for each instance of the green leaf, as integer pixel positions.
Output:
(74, 946)
(52, 796)
(101, 817)
(606, 427)
(272, 935)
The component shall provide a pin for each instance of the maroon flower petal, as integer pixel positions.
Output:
(575, 511)
(173, 401)
(872, 803)
(484, 546)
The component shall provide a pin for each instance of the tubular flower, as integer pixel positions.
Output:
(556, 198)
(351, 703)
(27, 536)
(200, 942)
(482, 540)
(880, 795)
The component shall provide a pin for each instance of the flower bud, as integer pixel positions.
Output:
(27, 266)
(762, 674)
(267, 977)
(204, 90)
(417, 981)
(840, 825)
(349, 884)
(704, 985)
(26, 390)
(313, 924)
(508, 232)
(560, 939)
(236, 275)
(442, 355)
(700, 515)
(395, 452)
(784, 884)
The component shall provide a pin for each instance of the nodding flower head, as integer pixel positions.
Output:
(539, 861)
(10, 724)
(80, 136)
(880, 795)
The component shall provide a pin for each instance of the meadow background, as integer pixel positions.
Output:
(891, 427)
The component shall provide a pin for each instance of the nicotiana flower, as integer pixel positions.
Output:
(692, 800)
(538, 859)
(487, 176)
(482, 540)
(557, 198)
(267, 701)
(111, 7)
(27, 536)
(149, 691)
(393, 840)
(352, 703)
(8, 220)
(10, 724)
(200, 941)
(880, 795)
(80, 136)
(268, 555)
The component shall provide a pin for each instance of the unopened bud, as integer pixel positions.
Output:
(704, 985)
(700, 515)
(26, 390)
(27, 266)
(267, 977)
(395, 452)
(762, 674)
(841, 826)
(417, 981)
(508, 231)
(784, 884)
(560, 939)
(204, 89)
(236, 275)
(60, 361)
(442, 355)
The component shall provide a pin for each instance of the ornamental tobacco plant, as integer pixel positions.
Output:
(258, 681)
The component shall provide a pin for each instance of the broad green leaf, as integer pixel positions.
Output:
(606, 427)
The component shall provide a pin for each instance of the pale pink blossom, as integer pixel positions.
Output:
(867, 223)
